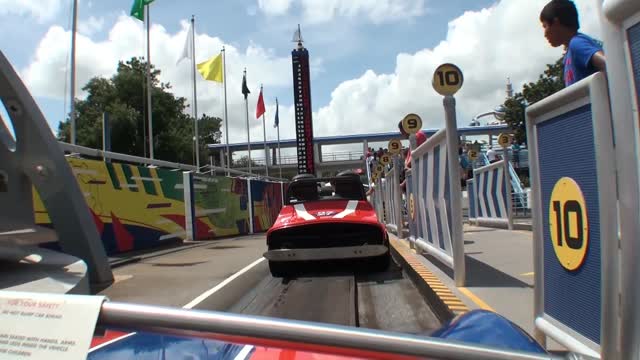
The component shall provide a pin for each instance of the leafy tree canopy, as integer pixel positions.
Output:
(123, 97)
(549, 82)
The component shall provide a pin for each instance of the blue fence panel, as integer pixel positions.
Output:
(634, 49)
(572, 297)
(492, 192)
(471, 195)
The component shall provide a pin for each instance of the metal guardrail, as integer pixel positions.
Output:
(81, 150)
(185, 322)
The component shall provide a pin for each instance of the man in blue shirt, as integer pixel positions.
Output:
(583, 54)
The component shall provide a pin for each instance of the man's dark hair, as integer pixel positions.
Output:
(563, 10)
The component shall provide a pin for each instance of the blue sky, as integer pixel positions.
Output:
(371, 60)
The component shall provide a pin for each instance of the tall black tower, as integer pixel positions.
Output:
(302, 97)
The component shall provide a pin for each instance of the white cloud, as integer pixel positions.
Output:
(379, 11)
(91, 25)
(490, 45)
(42, 10)
(274, 7)
(321, 11)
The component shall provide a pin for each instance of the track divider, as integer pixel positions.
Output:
(445, 304)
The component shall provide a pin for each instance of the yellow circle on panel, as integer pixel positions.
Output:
(568, 223)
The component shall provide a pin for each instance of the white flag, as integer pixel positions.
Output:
(297, 36)
(188, 49)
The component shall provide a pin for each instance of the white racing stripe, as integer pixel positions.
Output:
(302, 212)
(350, 209)
(111, 341)
(244, 353)
(216, 288)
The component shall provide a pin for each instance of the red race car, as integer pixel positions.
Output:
(326, 219)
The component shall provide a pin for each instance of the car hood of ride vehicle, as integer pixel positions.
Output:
(311, 212)
(477, 327)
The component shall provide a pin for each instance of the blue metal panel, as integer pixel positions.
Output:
(436, 203)
(447, 195)
(426, 198)
(571, 297)
(504, 194)
(634, 48)
(494, 193)
(485, 193)
(471, 195)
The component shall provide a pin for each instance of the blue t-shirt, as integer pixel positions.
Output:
(577, 60)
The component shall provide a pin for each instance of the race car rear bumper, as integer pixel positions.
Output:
(332, 253)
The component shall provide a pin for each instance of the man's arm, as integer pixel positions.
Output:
(599, 61)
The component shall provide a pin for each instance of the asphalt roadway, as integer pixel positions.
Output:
(231, 275)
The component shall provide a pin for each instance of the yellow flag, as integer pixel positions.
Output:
(211, 69)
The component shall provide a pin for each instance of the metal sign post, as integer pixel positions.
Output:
(447, 80)
(504, 140)
(411, 124)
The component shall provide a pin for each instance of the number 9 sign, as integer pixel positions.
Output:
(395, 146)
(411, 123)
(447, 79)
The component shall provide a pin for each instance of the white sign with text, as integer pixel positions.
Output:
(39, 326)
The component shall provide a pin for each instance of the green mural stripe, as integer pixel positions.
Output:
(113, 176)
(126, 170)
(170, 179)
(149, 188)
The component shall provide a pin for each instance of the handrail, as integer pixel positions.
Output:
(186, 322)
(160, 163)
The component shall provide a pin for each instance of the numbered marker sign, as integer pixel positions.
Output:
(447, 79)
(412, 207)
(385, 159)
(379, 168)
(411, 123)
(503, 140)
(395, 146)
(568, 223)
(473, 155)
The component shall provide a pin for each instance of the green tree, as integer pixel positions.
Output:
(243, 162)
(123, 97)
(549, 82)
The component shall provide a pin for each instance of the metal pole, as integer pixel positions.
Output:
(266, 150)
(414, 184)
(246, 105)
(226, 126)
(149, 82)
(449, 103)
(211, 165)
(195, 95)
(397, 194)
(279, 154)
(507, 179)
(73, 71)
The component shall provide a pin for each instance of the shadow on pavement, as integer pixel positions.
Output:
(480, 274)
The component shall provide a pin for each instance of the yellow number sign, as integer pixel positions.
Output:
(395, 146)
(503, 140)
(473, 155)
(385, 159)
(447, 79)
(568, 223)
(412, 207)
(379, 168)
(411, 123)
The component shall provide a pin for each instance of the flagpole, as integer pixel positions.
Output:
(226, 126)
(264, 132)
(73, 72)
(148, 17)
(246, 105)
(279, 155)
(195, 94)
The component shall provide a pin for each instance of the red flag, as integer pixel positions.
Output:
(260, 107)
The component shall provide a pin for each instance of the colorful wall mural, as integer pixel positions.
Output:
(136, 207)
